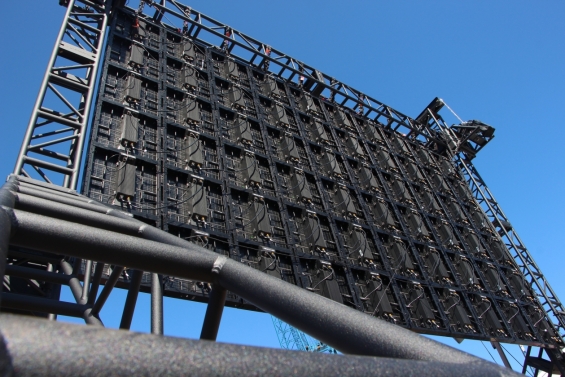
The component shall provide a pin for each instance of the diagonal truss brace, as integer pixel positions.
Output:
(285, 67)
(462, 150)
(292, 339)
(54, 140)
(499, 222)
(546, 296)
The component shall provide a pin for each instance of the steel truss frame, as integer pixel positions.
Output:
(56, 132)
(500, 224)
(430, 119)
(526, 263)
(289, 69)
(528, 267)
(86, 20)
(292, 339)
(73, 123)
(49, 223)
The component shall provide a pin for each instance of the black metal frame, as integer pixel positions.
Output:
(68, 227)
(269, 145)
(399, 180)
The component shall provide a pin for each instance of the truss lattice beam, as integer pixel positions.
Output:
(554, 309)
(285, 67)
(55, 135)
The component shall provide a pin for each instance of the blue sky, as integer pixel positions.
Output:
(497, 62)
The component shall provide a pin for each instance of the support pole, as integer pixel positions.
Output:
(343, 328)
(98, 271)
(51, 269)
(41, 305)
(76, 290)
(501, 353)
(38, 345)
(35, 274)
(156, 304)
(131, 299)
(74, 283)
(112, 280)
(86, 281)
(525, 367)
(5, 228)
(214, 313)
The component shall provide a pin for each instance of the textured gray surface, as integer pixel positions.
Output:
(5, 359)
(64, 352)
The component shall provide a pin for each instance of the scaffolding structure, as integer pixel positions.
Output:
(225, 142)
(49, 224)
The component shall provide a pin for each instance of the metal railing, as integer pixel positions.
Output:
(50, 223)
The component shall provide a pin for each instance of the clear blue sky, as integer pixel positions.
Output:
(499, 62)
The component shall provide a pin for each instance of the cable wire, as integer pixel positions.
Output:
(487, 309)
(374, 290)
(436, 264)
(274, 261)
(362, 243)
(453, 112)
(455, 303)
(237, 125)
(514, 315)
(254, 217)
(288, 146)
(298, 184)
(247, 168)
(178, 203)
(492, 357)
(520, 364)
(417, 298)
(314, 230)
(326, 278)
(539, 320)
(389, 283)
(175, 150)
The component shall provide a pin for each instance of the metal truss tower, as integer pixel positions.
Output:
(293, 339)
(55, 136)
(256, 157)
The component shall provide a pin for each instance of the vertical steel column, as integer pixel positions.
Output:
(7, 200)
(77, 291)
(525, 367)
(80, 42)
(51, 316)
(157, 304)
(213, 313)
(98, 271)
(5, 229)
(131, 299)
(501, 353)
(86, 280)
(501, 225)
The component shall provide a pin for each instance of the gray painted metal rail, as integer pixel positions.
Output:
(89, 231)
(120, 353)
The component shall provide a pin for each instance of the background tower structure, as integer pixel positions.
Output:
(221, 140)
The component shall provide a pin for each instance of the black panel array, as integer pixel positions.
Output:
(222, 153)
